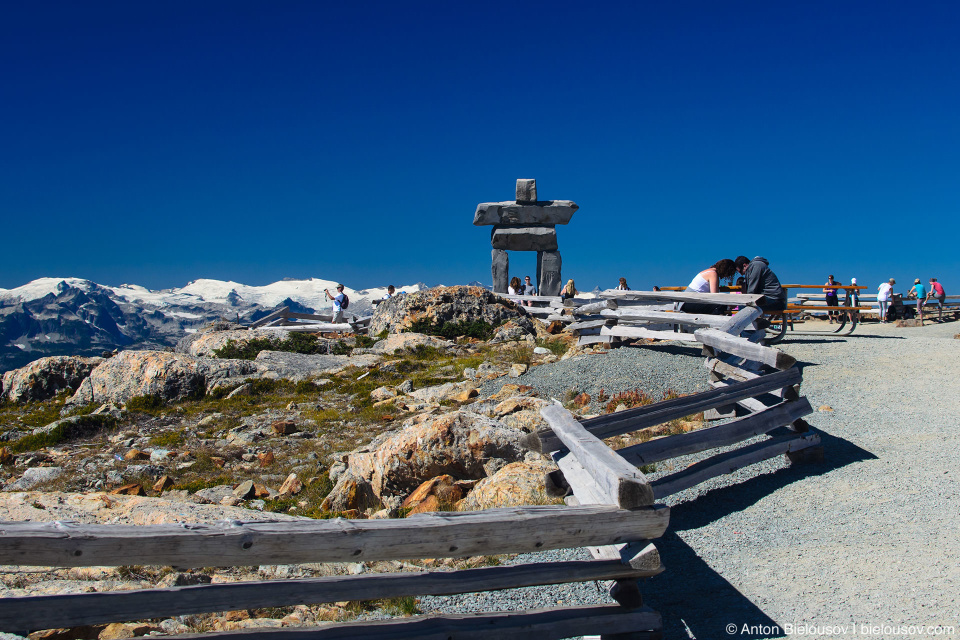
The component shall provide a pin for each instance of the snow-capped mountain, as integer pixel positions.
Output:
(73, 316)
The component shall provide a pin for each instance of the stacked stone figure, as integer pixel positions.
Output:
(526, 225)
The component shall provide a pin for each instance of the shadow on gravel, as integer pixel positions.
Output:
(697, 602)
(690, 589)
(808, 340)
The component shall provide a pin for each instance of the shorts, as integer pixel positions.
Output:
(833, 301)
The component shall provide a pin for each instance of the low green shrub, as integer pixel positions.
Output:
(365, 342)
(479, 329)
(61, 433)
(145, 404)
(295, 342)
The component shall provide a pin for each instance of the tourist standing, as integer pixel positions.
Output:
(884, 295)
(938, 294)
(832, 298)
(340, 302)
(852, 299)
(920, 293)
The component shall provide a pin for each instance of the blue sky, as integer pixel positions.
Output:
(160, 142)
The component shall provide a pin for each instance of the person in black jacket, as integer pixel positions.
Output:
(760, 279)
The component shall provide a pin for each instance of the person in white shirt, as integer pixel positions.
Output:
(337, 303)
(389, 294)
(623, 285)
(514, 288)
(884, 295)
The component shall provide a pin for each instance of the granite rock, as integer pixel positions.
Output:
(44, 378)
(524, 238)
(443, 304)
(544, 212)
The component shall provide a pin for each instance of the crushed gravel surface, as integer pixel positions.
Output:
(654, 369)
(868, 537)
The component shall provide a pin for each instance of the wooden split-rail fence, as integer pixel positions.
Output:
(285, 320)
(610, 509)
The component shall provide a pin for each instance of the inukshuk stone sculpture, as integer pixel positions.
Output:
(526, 225)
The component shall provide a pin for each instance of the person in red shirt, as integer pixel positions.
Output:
(938, 294)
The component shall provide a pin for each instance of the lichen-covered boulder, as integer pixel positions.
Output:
(518, 483)
(44, 378)
(443, 304)
(520, 328)
(218, 326)
(404, 341)
(460, 444)
(171, 376)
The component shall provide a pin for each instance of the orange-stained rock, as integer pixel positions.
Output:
(136, 454)
(5, 456)
(284, 427)
(266, 458)
(466, 396)
(164, 483)
(132, 489)
(443, 488)
(430, 503)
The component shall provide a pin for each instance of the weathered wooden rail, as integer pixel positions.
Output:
(284, 320)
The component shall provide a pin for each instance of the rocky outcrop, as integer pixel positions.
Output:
(462, 445)
(443, 304)
(520, 328)
(205, 343)
(102, 508)
(403, 341)
(516, 484)
(299, 366)
(44, 378)
(171, 376)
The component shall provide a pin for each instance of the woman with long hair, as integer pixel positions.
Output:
(514, 288)
(708, 281)
(569, 291)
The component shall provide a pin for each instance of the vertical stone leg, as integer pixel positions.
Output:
(500, 268)
(548, 273)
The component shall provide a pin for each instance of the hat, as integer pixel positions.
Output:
(853, 281)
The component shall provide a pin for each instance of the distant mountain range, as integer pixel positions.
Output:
(72, 316)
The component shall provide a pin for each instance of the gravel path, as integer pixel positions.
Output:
(868, 537)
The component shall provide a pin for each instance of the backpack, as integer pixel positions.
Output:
(345, 303)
